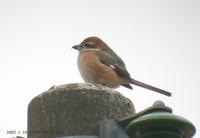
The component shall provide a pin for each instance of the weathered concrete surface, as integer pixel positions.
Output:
(74, 109)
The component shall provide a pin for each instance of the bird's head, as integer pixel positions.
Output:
(91, 43)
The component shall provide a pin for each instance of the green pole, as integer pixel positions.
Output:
(160, 124)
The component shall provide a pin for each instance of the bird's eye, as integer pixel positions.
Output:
(87, 45)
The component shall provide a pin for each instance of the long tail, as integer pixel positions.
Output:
(155, 89)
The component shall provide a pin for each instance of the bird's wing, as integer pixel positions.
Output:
(119, 60)
(113, 63)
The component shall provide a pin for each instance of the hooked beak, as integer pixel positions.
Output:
(77, 47)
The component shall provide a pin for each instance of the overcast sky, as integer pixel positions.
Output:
(158, 40)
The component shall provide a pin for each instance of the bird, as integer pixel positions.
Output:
(99, 64)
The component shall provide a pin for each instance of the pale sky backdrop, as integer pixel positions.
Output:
(159, 40)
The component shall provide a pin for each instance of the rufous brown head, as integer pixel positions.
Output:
(92, 43)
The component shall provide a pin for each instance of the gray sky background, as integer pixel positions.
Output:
(158, 40)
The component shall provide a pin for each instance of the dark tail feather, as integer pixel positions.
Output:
(144, 85)
(127, 86)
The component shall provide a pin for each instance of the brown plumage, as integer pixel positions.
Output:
(99, 64)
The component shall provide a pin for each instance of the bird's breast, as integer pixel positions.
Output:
(93, 71)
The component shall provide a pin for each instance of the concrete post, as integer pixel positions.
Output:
(74, 110)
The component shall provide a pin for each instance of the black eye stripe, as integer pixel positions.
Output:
(87, 45)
